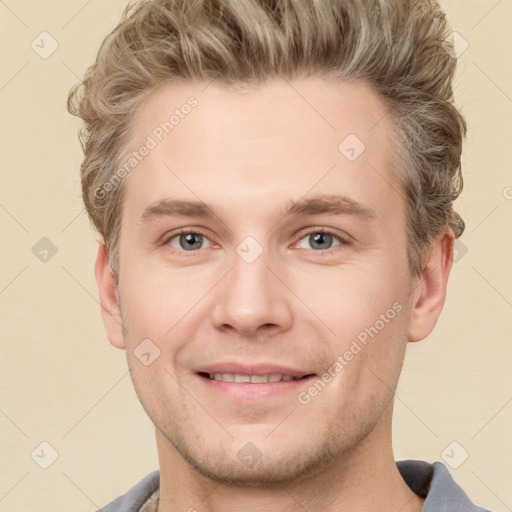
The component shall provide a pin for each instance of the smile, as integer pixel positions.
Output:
(253, 379)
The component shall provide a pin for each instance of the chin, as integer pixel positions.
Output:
(257, 459)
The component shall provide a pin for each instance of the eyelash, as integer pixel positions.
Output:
(342, 241)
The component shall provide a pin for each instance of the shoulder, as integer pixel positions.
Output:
(430, 481)
(134, 498)
(435, 483)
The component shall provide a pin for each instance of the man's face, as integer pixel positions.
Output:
(262, 287)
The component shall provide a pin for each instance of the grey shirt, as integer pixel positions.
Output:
(430, 481)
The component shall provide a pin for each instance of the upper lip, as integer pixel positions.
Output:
(252, 369)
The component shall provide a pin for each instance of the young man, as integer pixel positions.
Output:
(273, 185)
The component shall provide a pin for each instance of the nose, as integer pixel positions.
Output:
(252, 300)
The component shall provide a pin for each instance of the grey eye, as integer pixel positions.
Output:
(187, 241)
(319, 240)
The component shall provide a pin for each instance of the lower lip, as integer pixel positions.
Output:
(244, 391)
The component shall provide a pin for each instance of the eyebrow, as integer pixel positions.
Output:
(322, 204)
(332, 204)
(174, 207)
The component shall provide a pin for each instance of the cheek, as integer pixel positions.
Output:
(382, 338)
(155, 303)
(369, 314)
(351, 298)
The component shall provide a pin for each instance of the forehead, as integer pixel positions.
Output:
(263, 145)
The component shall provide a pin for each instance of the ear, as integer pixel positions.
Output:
(107, 287)
(430, 287)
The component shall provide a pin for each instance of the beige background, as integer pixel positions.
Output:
(62, 383)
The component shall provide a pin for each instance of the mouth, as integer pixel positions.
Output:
(248, 390)
(249, 383)
(252, 379)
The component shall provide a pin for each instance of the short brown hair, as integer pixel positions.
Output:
(396, 46)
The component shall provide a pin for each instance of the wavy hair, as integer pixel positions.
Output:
(396, 46)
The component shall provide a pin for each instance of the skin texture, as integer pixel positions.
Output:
(249, 154)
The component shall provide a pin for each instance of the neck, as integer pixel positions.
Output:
(365, 479)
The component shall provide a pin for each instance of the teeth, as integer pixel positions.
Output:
(231, 377)
(259, 378)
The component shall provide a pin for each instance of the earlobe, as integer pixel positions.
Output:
(107, 288)
(430, 290)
